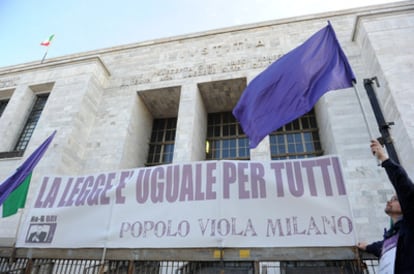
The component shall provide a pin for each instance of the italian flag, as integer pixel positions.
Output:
(47, 42)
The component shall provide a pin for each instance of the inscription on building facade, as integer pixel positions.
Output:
(216, 51)
(176, 72)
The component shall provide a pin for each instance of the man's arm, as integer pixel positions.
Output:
(399, 179)
(373, 248)
(403, 186)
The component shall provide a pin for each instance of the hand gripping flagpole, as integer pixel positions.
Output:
(383, 126)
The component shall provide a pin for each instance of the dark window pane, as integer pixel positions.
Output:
(217, 131)
(240, 129)
(226, 137)
(295, 125)
(299, 148)
(309, 147)
(232, 130)
(161, 147)
(226, 131)
(305, 123)
(3, 104)
(31, 122)
(159, 136)
(298, 139)
(307, 136)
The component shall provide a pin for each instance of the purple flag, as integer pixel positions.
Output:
(19, 176)
(292, 85)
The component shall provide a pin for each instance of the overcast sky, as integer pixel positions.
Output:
(83, 25)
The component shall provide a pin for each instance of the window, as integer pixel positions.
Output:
(3, 104)
(225, 138)
(161, 148)
(298, 139)
(31, 122)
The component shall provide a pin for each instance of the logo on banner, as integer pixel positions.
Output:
(41, 229)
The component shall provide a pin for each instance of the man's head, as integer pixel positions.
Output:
(393, 207)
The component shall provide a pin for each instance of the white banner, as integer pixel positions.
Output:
(201, 204)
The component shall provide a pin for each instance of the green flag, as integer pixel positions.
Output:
(13, 190)
(16, 199)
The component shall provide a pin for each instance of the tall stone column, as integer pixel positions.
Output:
(15, 115)
(191, 126)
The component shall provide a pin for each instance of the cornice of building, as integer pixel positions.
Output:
(95, 55)
(56, 62)
(403, 8)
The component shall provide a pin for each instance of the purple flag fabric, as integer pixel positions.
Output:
(14, 181)
(292, 85)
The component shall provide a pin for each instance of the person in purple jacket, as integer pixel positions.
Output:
(396, 250)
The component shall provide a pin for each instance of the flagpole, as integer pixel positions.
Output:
(371, 136)
(16, 235)
(44, 56)
(108, 228)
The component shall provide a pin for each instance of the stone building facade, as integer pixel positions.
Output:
(103, 103)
